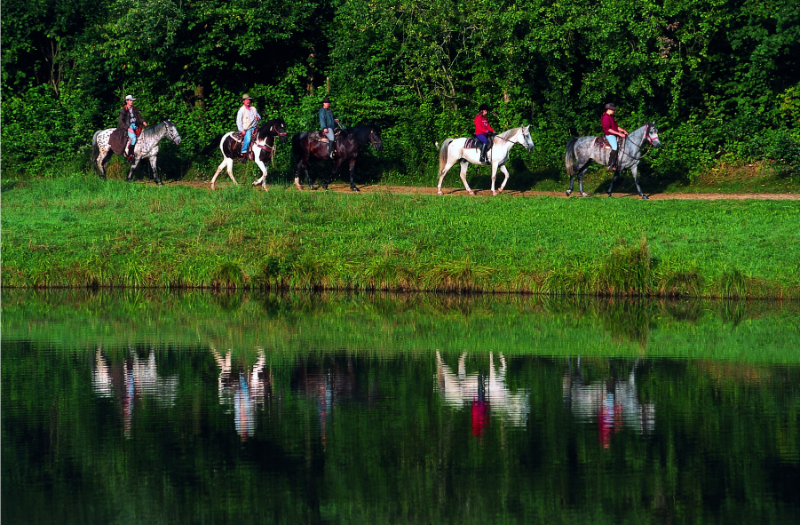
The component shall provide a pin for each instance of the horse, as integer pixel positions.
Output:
(263, 148)
(146, 147)
(306, 147)
(583, 150)
(459, 150)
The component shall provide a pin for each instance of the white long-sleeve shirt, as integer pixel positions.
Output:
(245, 119)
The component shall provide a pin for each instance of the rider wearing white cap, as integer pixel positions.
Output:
(130, 120)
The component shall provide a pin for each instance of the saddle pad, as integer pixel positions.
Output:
(237, 136)
(473, 143)
(318, 136)
(601, 142)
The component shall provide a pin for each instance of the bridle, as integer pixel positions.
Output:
(514, 141)
(647, 138)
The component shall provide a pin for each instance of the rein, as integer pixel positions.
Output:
(639, 146)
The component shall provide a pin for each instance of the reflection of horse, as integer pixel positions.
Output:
(243, 393)
(146, 147)
(582, 151)
(263, 149)
(305, 147)
(462, 389)
(613, 403)
(456, 150)
(134, 379)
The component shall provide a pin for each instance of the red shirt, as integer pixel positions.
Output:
(608, 122)
(482, 125)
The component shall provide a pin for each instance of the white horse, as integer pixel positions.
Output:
(146, 147)
(454, 150)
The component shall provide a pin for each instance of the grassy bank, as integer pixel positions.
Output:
(80, 231)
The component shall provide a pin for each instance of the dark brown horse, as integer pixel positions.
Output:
(262, 146)
(348, 142)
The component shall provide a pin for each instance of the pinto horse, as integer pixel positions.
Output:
(146, 147)
(305, 147)
(582, 151)
(458, 150)
(263, 146)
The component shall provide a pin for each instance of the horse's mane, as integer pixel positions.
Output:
(508, 133)
(149, 131)
(361, 132)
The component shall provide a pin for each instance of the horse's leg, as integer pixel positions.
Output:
(464, 166)
(229, 163)
(219, 169)
(581, 173)
(336, 164)
(153, 160)
(297, 169)
(494, 176)
(635, 172)
(102, 162)
(443, 173)
(136, 160)
(505, 172)
(352, 170)
(263, 180)
(613, 180)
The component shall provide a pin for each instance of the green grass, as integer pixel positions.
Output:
(80, 231)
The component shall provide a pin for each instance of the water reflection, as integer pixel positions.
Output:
(244, 391)
(134, 378)
(484, 393)
(609, 402)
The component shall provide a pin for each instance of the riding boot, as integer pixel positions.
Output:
(612, 161)
(483, 153)
(130, 154)
(331, 149)
(245, 155)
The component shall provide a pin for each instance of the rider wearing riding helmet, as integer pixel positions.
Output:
(246, 120)
(483, 131)
(327, 123)
(130, 120)
(611, 130)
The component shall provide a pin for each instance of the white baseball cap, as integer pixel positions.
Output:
(129, 97)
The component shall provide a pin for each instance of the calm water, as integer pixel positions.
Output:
(202, 408)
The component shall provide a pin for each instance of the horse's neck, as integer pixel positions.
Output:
(158, 134)
(635, 138)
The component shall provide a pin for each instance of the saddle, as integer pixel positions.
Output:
(601, 142)
(319, 136)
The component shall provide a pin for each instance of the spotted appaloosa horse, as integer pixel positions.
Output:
(146, 147)
(305, 148)
(582, 151)
(263, 146)
(456, 150)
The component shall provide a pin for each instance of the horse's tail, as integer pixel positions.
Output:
(214, 144)
(569, 157)
(443, 153)
(95, 147)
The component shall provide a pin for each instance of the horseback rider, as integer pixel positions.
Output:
(327, 123)
(611, 130)
(483, 131)
(130, 120)
(246, 120)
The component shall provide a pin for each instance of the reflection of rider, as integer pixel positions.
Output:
(130, 120)
(246, 120)
(483, 131)
(611, 130)
(327, 124)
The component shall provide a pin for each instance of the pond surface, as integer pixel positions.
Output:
(217, 408)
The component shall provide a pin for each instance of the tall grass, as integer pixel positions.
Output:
(83, 232)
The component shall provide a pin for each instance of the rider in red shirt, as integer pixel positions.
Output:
(611, 130)
(483, 131)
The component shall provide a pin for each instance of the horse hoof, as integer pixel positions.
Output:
(353, 188)
(494, 193)
(471, 193)
(645, 197)
(584, 194)
(440, 192)
(609, 195)
(256, 183)
(569, 192)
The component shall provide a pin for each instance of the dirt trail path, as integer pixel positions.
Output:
(459, 192)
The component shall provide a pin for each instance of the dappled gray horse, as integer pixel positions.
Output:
(146, 147)
(582, 151)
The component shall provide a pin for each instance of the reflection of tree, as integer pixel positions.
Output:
(243, 392)
(483, 393)
(611, 402)
(133, 379)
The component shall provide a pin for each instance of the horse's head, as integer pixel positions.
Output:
(652, 134)
(275, 127)
(375, 137)
(526, 137)
(172, 131)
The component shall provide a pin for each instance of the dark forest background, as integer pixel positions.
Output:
(720, 77)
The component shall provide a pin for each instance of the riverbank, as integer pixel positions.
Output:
(82, 232)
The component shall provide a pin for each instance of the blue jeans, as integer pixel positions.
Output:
(132, 136)
(612, 140)
(248, 135)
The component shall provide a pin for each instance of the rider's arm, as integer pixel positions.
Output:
(239, 119)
